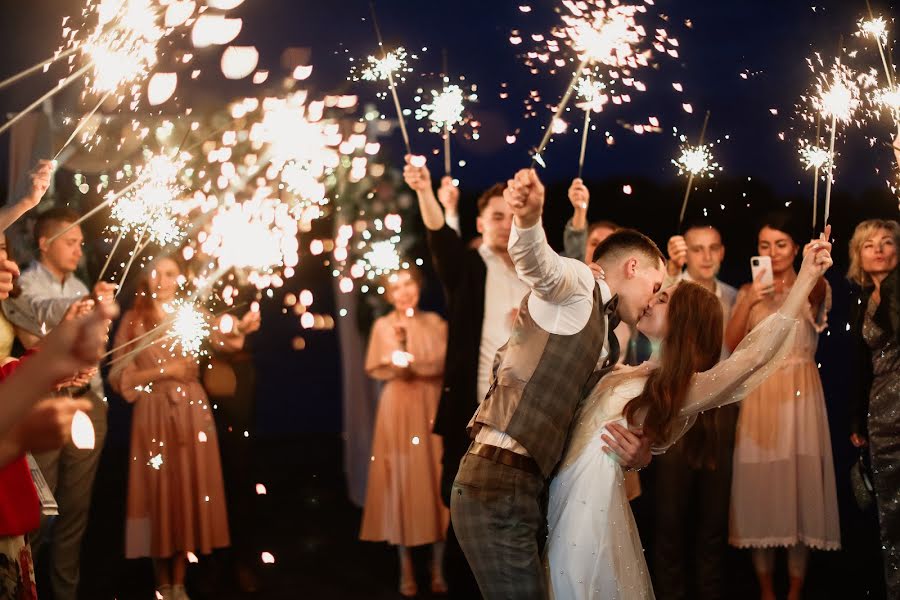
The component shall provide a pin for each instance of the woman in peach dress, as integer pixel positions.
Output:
(403, 501)
(783, 488)
(176, 499)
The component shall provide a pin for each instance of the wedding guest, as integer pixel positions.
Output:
(49, 290)
(229, 382)
(875, 325)
(694, 476)
(783, 489)
(483, 294)
(403, 505)
(176, 498)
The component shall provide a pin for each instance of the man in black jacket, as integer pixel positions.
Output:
(483, 294)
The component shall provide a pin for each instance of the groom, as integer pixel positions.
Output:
(562, 343)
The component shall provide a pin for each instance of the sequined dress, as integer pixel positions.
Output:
(884, 442)
(593, 547)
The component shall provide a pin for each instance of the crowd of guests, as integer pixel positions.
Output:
(58, 327)
(758, 475)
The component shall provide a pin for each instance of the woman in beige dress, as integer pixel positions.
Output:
(783, 489)
(403, 501)
(176, 499)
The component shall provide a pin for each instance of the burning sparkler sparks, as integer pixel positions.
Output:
(696, 161)
(258, 235)
(446, 109)
(875, 27)
(189, 328)
(813, 157)
(395, 64)
(837, 94)
(591, 93)
(149, 206)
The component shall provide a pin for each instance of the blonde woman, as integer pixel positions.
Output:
(875, 326)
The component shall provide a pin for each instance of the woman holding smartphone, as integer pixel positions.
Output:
(783, 490)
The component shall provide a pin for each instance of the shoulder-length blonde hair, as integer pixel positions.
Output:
(862, 232)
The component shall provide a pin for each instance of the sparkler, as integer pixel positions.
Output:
(445, 111)
(838, 97)
(384, 70)
(695, 161)
(814, 157)
(34, 68)
(600, 35)
(590, 91)
(84, 121)
(61, 85)
(876, 27)
(189, 328)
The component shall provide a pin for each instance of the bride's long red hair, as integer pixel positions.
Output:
(692, 345)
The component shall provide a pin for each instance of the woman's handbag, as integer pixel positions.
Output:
(861, 481)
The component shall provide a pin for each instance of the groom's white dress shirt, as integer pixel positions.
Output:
(561, 301)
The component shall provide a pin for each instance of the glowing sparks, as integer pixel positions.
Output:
(149, 206)
(257, 235)
(813, 157)
(189, 328)
(303, 146)
(591, 93)
(875, 28)
(123, 47)
(394, 64)
(607, 36)
(382, 257)
(697, 161)
(446, 109)
(156, 461)
(838, 94)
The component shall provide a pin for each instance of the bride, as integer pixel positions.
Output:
(593, 548)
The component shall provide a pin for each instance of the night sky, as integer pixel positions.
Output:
(768, 40)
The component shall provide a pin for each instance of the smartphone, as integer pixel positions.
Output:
(762, 264)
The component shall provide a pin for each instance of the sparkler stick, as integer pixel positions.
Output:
(25, 73)
(887, 70)
(95, 210)
(690, 184)
(81, 124)
(537, 158)
(816, 175)
(584, 135)
(446, 125)
(830, 168)
(390, 76)
(45, 97)
(111, 253)
(140, 348)
(134, 255)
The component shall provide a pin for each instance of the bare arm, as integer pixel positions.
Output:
(40, 183)
(419, 179)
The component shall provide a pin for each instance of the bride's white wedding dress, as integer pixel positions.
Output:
(593, 548)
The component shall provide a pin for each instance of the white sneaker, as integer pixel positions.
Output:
(179, 593)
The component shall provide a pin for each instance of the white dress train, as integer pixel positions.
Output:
(593, 547)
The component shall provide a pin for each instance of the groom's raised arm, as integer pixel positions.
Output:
(552, 278)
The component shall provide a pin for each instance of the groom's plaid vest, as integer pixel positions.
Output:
(539, 380)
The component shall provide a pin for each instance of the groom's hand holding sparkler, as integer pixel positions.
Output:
(524, 195)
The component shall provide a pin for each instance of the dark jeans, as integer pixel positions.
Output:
(496, 512)
(691, 507)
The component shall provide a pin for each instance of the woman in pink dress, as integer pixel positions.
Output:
(176, 499)
(403, 501)
(783, 490)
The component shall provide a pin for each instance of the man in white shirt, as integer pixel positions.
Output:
(694, 476)
(561, 344)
